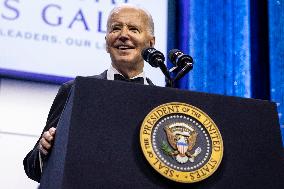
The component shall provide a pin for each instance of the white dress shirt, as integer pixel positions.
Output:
(111, 71)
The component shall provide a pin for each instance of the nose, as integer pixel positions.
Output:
(124, 34)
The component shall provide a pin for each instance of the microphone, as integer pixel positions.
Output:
(183, 61)
(179, 59)
(156, 59)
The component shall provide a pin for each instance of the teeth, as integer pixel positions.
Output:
(124, 47)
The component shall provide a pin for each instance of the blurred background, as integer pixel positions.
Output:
(237, 47)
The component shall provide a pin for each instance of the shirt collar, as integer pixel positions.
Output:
(111, 71)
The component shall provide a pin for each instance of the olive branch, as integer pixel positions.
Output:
(166, 149)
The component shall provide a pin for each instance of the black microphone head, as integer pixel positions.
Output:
(173, 54)
(146, 53)
(178, 58)
(152, 56)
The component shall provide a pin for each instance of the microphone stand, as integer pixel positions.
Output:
(183, 71)
(169, 83)
(163, 67)
(179, 75)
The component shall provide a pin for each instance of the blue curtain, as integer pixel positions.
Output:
(276, 56)
(231, 46)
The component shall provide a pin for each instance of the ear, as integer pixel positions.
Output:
(107, 47)
(152, 41)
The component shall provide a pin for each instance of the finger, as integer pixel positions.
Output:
(45, 144)
(47, 136)
(52, 131)
(42, 150)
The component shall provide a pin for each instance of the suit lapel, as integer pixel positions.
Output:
(101, 76)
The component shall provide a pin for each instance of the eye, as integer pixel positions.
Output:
(116, 28)
(134, 30)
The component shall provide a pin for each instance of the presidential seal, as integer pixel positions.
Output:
(181, 142)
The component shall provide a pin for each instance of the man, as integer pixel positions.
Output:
(129, 30)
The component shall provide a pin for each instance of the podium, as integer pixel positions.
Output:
(97, 141)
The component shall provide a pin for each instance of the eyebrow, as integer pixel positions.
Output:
(128, 25)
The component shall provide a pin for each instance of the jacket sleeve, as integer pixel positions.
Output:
(31, 161)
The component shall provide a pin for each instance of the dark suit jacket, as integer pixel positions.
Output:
(31, 161)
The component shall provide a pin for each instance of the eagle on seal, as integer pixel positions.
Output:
(182, 139)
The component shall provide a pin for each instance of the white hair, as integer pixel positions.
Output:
(125, 5)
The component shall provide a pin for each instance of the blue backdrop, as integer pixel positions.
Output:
(237, 47)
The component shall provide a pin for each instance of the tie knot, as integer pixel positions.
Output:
(134, 80)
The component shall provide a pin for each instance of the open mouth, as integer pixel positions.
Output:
(124, 47)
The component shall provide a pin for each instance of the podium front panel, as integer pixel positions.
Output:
(97, 143)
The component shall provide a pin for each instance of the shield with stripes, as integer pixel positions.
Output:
(182, 145)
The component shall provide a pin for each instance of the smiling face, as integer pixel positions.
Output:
(128, 33)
